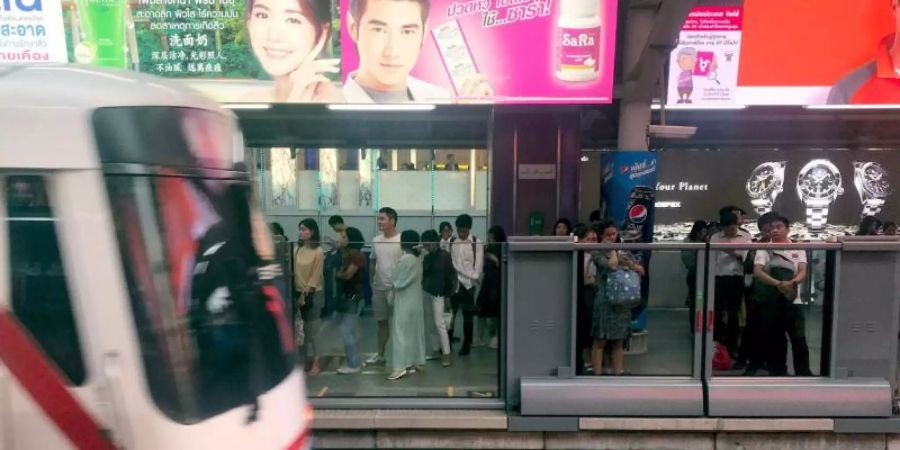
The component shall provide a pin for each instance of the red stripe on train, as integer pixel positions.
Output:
(303, 439)
(43, 382)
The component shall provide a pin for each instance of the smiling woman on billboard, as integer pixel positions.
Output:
(287, 37)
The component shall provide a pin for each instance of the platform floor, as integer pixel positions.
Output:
(669, 343)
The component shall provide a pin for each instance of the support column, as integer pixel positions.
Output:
(634, 118)
(634, 111)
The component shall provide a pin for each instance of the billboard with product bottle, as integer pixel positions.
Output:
(335, 51)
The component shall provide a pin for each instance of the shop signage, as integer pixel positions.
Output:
(824, 193)
(336, 51)
(537, 171)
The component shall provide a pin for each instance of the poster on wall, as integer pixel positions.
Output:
(628, 192)
(31, 31)
(629, 196)
(704, 64)
(337, 51)
(792, 52)
(824, 193)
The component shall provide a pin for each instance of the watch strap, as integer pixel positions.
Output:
(872, 207)
(816, 218)
(762, 205)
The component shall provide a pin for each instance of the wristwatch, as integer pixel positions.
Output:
(766, 182)
(818, 185)
(872, 184)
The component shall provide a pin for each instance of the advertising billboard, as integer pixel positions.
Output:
(31, 31)
(796, 52)
(533, 51)
(825, 193)
(628, 192)
(704, 64)
(339, 51)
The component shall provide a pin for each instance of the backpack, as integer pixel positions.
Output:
(623, 288)
(456, 284)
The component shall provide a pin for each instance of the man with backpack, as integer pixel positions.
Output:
(467, 254)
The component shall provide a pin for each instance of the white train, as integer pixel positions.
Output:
(136, 303)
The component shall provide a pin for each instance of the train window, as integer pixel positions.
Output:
(213, 332)
(40, 295)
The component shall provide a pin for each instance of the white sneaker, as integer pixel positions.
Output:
(344, 370)
(375, 359)
(397, 374)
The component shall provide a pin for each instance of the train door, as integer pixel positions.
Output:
(53, 389)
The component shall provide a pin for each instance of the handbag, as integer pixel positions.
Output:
(623, 288)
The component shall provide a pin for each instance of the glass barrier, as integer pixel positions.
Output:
(400, 318)
(772, 311)
(635, 312)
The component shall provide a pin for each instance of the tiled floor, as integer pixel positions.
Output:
(669, 353)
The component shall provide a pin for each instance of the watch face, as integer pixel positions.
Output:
(819, 183)
(761, 181)
(875, 180)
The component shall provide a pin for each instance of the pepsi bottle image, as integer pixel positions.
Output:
(638, 223)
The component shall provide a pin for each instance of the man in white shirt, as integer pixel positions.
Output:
(785, 270)
(729, 294)
(385, 254)
(467, 253)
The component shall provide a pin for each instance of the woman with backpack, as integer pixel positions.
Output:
(611, 321)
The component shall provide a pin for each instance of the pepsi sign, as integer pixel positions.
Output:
(638, 214)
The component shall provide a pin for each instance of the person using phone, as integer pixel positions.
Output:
(287, 38)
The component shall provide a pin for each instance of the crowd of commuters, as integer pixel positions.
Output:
(419, 284)
(758, 306)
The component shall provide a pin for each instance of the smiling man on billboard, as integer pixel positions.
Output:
(878, 81)
(389, 35)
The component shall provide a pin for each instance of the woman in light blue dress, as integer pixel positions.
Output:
(407, 343)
